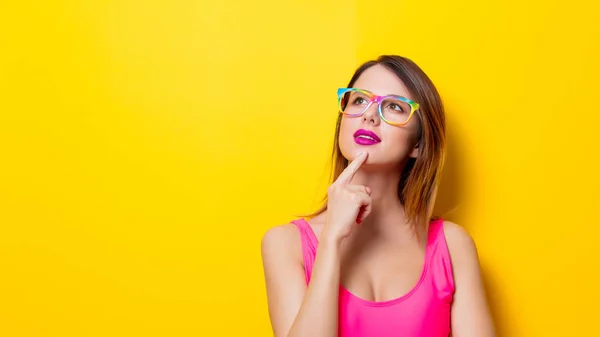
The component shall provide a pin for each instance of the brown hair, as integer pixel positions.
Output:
(420, 176)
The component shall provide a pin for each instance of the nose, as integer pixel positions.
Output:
(371, 115)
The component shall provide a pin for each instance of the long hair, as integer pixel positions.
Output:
(419, 177)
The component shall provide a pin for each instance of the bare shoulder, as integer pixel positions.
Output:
(461, 245)
(470, 312)
(281, 240)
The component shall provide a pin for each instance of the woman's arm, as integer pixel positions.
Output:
(470, 313)
(297, 310)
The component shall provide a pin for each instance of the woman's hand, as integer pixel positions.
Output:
(347, 205)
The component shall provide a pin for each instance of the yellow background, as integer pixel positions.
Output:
(146, 147)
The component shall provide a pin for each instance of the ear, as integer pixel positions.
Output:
(415, 151)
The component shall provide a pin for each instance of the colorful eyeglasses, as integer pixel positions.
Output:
(394, 110)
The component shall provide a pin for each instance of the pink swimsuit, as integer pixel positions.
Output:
(422, 312)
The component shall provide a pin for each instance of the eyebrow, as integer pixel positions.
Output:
(385, 94)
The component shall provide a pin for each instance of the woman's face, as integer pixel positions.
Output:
(393, 144)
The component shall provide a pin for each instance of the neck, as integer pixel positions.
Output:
(387, 212)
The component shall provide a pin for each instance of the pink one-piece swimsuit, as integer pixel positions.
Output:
(422, 312)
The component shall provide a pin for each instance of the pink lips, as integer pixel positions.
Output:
(366, 137)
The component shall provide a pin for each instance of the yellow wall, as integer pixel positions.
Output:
(146, 147)
(520, 80)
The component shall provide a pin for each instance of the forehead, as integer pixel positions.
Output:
(381, 81)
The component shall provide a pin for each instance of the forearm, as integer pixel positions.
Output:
(318, 314)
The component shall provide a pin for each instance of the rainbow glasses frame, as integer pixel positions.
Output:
(377, 100)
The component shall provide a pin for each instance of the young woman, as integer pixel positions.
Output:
(373, 262)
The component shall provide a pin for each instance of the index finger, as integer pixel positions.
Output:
(346, 175)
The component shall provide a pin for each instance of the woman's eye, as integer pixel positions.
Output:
(360, 100)
(395, 107)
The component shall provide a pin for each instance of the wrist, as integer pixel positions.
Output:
(331, 238)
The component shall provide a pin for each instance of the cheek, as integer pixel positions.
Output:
(399, 142)
(346, 141)
(346, 126)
